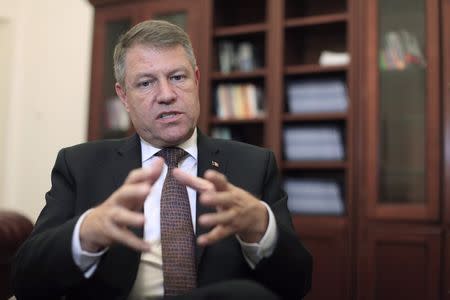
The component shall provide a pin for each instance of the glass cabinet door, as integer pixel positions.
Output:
(108, 118)
(115, 118)
(403, 110)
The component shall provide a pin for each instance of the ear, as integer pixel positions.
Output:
(197, 76)
(121, 92)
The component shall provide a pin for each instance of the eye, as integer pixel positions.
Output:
(144, 83)
(178, 77)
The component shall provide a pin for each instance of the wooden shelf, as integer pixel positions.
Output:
(319, 117)
(233, 121)
(316, 20)
(239, 75)
(240, 29)
(314, 68)
(314, 165)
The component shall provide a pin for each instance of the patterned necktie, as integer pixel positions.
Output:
(177, 234)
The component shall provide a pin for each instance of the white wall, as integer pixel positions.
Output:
(5, 87)
(46, 103)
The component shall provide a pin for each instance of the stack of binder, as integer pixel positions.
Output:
(320, 142)
(317, 95)
(314, 196)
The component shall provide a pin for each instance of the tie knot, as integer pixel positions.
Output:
(172, 155)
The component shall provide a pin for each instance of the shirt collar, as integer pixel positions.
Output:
(190, 146)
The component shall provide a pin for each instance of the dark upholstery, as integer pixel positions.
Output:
(14, 229)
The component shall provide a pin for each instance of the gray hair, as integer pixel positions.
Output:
(154, 33)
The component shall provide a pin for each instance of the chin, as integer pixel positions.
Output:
(173, 139)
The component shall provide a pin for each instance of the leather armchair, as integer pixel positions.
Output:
(14, 229)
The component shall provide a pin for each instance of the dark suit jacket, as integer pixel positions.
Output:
(87, 174)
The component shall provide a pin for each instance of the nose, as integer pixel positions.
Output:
(166, 94)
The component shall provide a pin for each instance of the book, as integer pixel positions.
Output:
(245, 57)
(236, 56)
(330, 58)
(226, 56)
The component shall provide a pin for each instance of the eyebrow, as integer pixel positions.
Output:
(169, 72)
(178, 69)
(143, 74)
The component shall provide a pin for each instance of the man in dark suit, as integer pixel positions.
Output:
(101, 235)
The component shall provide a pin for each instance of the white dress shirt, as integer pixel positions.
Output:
(149, 281)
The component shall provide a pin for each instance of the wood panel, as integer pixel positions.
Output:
(446, 97)
(329, 246)
(446, 285)
(274, 90)
(403, 263)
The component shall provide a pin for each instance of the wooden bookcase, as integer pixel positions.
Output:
(355, 251)
(292, 36)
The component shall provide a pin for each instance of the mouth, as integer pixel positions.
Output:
(168, 115)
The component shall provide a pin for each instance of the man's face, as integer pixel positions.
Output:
(160, 94)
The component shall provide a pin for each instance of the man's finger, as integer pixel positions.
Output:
(218, 179)
(217, 199)
(216, 234)
(223, 217)
(150, 173)
(132, 196)
(125, 236)
(125, 217)
(199, 184)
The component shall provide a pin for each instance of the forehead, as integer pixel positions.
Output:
(143, 57)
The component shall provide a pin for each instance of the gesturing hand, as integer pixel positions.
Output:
(237, 211)
(108, 223)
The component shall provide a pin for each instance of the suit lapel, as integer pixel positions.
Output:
(128, 158)
(209, 157)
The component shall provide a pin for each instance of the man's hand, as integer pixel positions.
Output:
(238, 212)
(108, 223)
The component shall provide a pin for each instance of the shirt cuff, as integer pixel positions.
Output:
(255, 252)
(86, 261)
